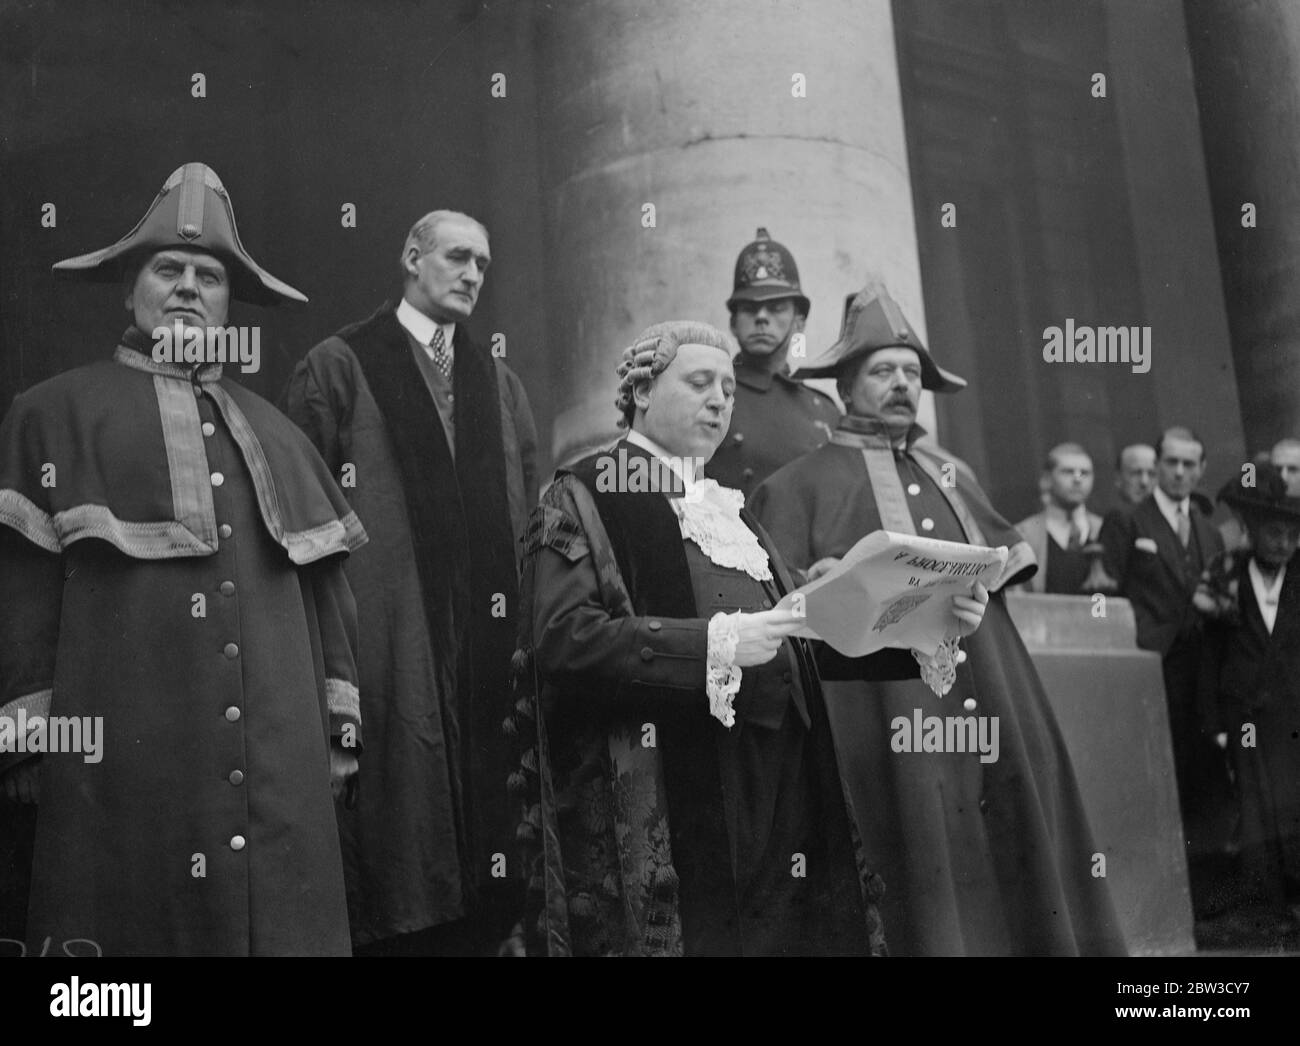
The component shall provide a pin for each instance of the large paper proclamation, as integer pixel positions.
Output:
(893, 590)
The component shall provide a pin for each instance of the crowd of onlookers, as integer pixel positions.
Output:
(1221, 606)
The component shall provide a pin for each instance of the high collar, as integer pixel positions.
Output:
(855, 430)
(136, 352)
(758, 378)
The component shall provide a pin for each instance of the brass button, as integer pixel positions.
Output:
(227, 588)
(224, 530)
(655, 626)
(218, 479)
(914, 489)
(739, 437)
(927, 524)
(231, 650)
(969, 704)
(232, 714)
(209, 429)
(236, 777)
(238, 842)
(647, 654)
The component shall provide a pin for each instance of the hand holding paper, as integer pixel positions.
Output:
(899, 590)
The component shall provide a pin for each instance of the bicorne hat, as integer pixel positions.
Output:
(765, 271)
(192, 210)
(1266, 498)
(873, 320)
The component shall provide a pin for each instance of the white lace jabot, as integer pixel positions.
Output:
(709, 515)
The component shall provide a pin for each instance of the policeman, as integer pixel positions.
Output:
(776, 418)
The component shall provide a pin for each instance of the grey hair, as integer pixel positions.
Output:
(424, 233)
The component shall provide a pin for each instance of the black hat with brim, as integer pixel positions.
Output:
(1267, 497)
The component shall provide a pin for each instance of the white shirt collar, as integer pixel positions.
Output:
(1266, 595)
(1169, 508)
(675, 463)
(421, 327)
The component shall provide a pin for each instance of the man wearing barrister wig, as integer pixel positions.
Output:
(980, 858)
(1250, 684)
(170, 566)
(683, 790)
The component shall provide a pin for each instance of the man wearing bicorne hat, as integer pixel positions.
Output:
(682, 789)
(978, 858)
(776, 418)
(1250, 675)
(172, 595)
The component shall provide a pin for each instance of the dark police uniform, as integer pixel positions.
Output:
(775, 420)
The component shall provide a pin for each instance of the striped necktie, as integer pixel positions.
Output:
(441, 357)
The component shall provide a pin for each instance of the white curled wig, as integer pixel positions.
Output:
(654, 349)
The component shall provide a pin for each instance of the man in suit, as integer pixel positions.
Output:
(1135, 474)
(1059, 534)
(434, 443)
(1156, 553)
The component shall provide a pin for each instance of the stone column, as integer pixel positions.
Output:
(1246, 58)
(696, 110)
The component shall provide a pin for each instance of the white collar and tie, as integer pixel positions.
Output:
(436, 338)
(1176, 513)
(1070, 530)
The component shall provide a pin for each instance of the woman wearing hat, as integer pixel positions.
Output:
(1252, 681)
